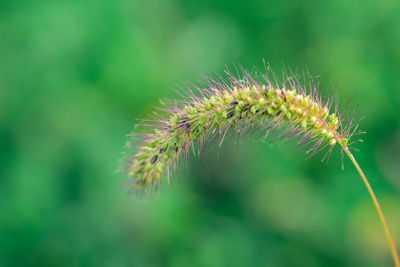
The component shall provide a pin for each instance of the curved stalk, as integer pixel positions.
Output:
(245, 104)
(377, 206)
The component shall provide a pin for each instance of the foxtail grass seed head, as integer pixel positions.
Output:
(287, 108)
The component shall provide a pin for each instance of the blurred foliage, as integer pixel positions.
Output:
(74, 76)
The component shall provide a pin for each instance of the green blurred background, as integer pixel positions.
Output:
(75, 76)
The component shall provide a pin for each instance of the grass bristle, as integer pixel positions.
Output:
(285, 108)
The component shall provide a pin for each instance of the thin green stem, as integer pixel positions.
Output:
(377, 206)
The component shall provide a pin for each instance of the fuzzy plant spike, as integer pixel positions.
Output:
(289, 107)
